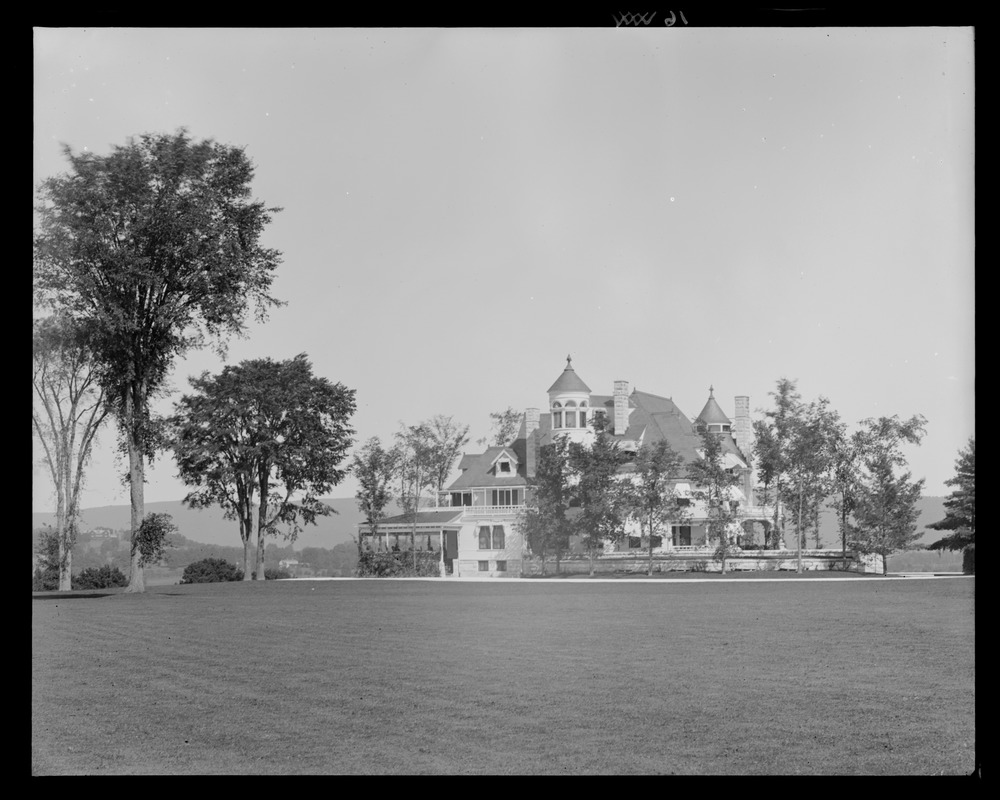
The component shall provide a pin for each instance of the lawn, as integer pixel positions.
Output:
(867, 677)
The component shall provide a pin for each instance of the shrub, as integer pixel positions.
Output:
(104, 577)
(211, 570)
(969, 560)
(398, 565)
(45, 580)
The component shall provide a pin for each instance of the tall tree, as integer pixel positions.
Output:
(845, 482)
(418, 456)
(960, 506)
(66, 414)
(773, 436)
(504, 425)
(157, 246)
(809, 459)
(651, 495)
(374, 467)
(447, 438)
(715, 485)
(597, 491)
(265, 440)
(544, 524)
(886, 511)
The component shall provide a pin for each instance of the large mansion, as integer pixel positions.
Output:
(475, 520)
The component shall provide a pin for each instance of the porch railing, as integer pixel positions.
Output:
(490, 511)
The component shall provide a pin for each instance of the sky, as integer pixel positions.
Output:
(676, 207)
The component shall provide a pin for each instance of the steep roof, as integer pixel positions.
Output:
(712, 414)
(477, 470)
(569, 381)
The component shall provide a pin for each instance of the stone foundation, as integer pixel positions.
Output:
(746, 561)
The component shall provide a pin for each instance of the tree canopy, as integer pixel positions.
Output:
(374, 467)
(67, 412)
(960, 506)
(157, 247)
(265, 440)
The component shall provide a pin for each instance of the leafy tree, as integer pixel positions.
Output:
(418, 457)
(886, 511)
(47, 575)
(810, 462)
(156, 247)
(715, 487)
(152, 539)
(374, 467)
(773, 435)
(503, 428)
(960, 507)
(266, 431)
(543, 521)
(447, 440)
(67, 412)
(597, 491)
(651, 496)
(211, 570)
(105, 577)
(845, 482)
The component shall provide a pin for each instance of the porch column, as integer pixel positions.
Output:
(441, 539)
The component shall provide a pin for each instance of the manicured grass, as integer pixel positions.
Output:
(871, 677)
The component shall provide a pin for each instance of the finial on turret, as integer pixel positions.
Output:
(569, 362)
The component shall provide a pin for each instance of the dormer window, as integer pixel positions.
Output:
(503, 467)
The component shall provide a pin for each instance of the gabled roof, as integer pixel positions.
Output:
(510, 452)
(477, 470)
(569, 381)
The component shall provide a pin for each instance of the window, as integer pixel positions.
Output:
(682, 535)
(557, 419)
(461, 498)
(506, 497)
(484, 566)
(504, 466)
(491, 539)
(683, 501)
(501, 566)
(570, 416)
(634, 542)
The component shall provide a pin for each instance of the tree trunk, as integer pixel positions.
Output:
(261, 520)
(246, 553)
(798, 534)
(65, 566)
(136, 478)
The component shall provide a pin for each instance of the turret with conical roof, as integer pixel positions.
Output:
(713, 416)
(569, 381)
(569, 403)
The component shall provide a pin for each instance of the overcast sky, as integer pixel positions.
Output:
(675, 207)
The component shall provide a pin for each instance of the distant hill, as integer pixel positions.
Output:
(208, 526)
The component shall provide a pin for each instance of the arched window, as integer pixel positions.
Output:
(570, 416)
(583, 413)
(557, 416)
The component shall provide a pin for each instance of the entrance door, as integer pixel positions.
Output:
(450, 551)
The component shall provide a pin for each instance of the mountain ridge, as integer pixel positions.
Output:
(209, 525)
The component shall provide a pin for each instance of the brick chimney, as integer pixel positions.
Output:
(742, 430)
(531, 420)
(621, 408)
